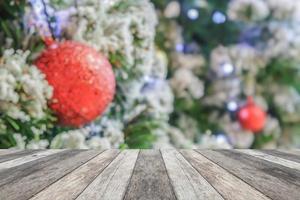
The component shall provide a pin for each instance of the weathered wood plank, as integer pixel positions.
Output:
(287, 174)
(113, 181)
(292, 157)
(24, 187)
(70, 186)
(17, 154)
(290, 151)
(28, 158)
(149, 179)
(187, 182)
(228, 185)
(8, 151)
(149, 174)
(271, 158)
(275, 181)
(15, 173)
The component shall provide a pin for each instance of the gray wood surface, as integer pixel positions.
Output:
(290, 156)
(70, 186)
(15, 154)
(275, 181)
(26, 186)
(113, 181)
(149, 174)
(5, 151)
(16, 173)
(291, 151)
(185, 179)
(228, 185)
(150, 179)
(28, 158)
(271, 158)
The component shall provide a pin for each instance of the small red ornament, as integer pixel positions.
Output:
(82, 79)
(252, 117)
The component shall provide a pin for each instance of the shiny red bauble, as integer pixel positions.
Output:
(82, 79)
(252, 117)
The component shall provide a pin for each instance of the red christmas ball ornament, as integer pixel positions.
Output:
(82, 79)
(252, 117)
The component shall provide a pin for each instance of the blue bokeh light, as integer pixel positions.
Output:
(193, 14)
(219, 17)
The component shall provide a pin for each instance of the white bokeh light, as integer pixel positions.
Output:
(232, 106)
(218, 17)
(221, 139)
(179, 47)
(193, 13)
(227, 68)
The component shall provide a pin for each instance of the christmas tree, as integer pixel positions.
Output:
(222, 53)
(149, 74)
(121, 30)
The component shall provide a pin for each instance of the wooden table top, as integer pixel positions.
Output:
(149, 174)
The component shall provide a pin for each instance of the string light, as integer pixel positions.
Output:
(47, 20)
(232, 106)
(150, 84)
(218, 17)
(193, 13)
(179, 47)
(221, 139)
(39, 17)
(227, 68)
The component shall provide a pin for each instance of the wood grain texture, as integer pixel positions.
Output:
(16, 173)
(26, 185)
(228, 185)
(149, 174)
(289, 156)
(187, 182)
(287, 174)
(149, 179)
(8, 151)
(113, 181)
(28, 158)
(274, 181)
(70, 186)
(291, 151)
(17, 154)
(271, 158)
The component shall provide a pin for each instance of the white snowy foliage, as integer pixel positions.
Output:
(248, 10)
(23, 89)
(128, 33)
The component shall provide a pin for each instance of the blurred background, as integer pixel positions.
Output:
(186, 74)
